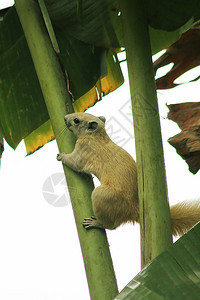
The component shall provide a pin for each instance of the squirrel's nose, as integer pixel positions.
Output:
(67, 122)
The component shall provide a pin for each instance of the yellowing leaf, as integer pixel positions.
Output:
(39, 137)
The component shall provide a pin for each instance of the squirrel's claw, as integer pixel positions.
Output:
(91, 222)
(60, 156)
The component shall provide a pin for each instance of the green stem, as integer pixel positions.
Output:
(48, 24)
(95, 250)
(154, 208)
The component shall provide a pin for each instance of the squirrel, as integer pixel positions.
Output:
(115, 201)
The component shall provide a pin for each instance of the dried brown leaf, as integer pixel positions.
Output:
(187, 142)
(184, 54)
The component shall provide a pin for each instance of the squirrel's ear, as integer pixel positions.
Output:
(92, 125)
(103, 119)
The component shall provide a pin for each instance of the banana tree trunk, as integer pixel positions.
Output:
(154, 209)
(95, 250)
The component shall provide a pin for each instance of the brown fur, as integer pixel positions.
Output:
(115, 201)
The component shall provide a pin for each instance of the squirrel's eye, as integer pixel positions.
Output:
(76, 121)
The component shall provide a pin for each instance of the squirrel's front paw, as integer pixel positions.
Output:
(60, 156)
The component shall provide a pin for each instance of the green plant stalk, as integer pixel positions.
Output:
(94, 245)
(155, 220)
(49, 26)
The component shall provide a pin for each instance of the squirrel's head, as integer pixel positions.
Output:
(83, 123)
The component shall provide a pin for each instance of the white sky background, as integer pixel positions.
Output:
(40, 256)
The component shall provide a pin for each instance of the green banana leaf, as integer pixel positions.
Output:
(22, 108)
(172, 14)
(100, 22)
(84, 30)
(175, 274)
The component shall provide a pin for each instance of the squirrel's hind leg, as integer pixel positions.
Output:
(103, 202)
(92, 222)
(106, 207)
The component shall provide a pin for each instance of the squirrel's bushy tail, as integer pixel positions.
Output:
(184, 215)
